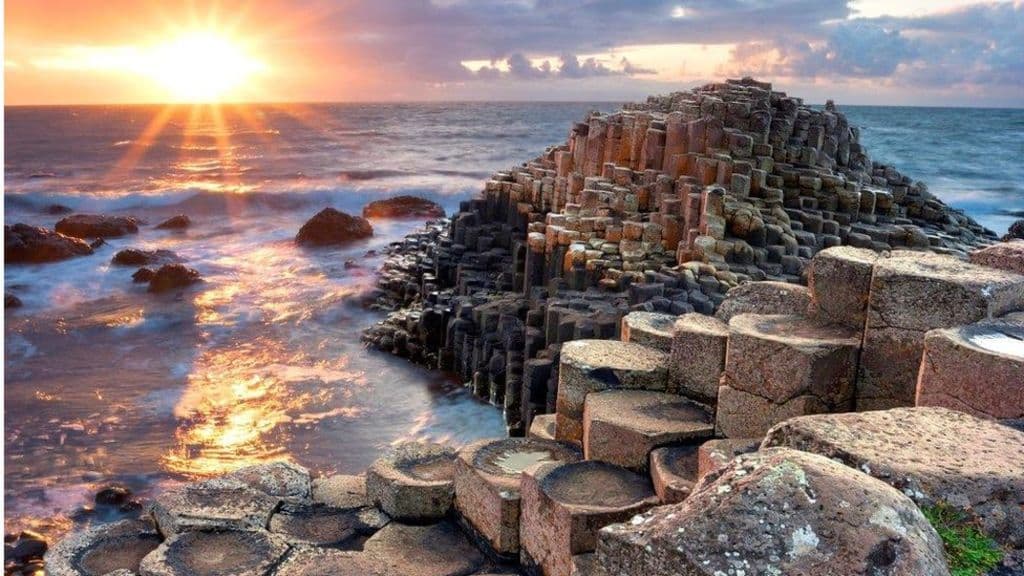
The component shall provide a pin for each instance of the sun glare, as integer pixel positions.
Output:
(201, 67)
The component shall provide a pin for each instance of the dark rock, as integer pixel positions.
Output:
(171, 277)
(178, 222)
(330, 226)
(11, 301)
(350, 264)
(143, 275)
(97, 243)
(1016, 231)
(135, 257)
(113, 496)
(403, 207)
(24, 243)
(58, 209)
(31, 547)
(97, 226)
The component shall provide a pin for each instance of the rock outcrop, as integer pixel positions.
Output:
(403, 207)
(330, 226)
(172, 277)
(136, 257)
(179, 222)
(97, 226)
(30, 244)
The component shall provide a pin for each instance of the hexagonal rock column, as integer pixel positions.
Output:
(978, 369)
(835, 520)
(912, 293)
(714, 455)
(282, 479)
(306, 560)
(218, 504)
(318, 525)
(413, 481)
(778, 367)
(649, 329)
(840, 280)
(594, 365)
(487, 481)
(340, 491)
(229, 552)
(674, 472)
(543, 427)
(102, 549)
(930, 454)
(439, 549)
(697, 360)
(564, 505)
(623, 426)
(765, 298)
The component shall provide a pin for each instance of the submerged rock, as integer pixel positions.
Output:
(56, 209)
(11, 301)
(97, 226)
(779, 511)
(136, 257)
(403, 207)
(143, 275)
(172, 277)
(178, 222)
(330, 226)
(24, 243)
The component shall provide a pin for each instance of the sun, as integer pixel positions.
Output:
(201, 66)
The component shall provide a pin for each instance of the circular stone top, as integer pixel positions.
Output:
(681, 461)
(594, 484)
(102, 549)
(695, 322)
(417, 462)
(651, 322)
(793, 330)
(612, 354)
(1003, 338)
(215, 554)
(508, 458)
(439, 467)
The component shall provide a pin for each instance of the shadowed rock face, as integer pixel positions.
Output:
(330, 226)
(835, 520)
(97, 226)
(29, 244)
(403, 207)
(229, 553)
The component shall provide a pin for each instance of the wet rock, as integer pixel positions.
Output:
(413, 481)
(56, 209)
(172, 277)
(136, 257)
(97, 243)
(565, 504)
(143, 275)
(436, 550)
(97, 226)
(11, 301)
(1006, 256)
(28, 546)
(280, 479)
(113, 496)
(224, 553)
(218, 504)
(765, 298)
(103, 549)
(930, 454)
(403, 207)
(178, 222)
(835, 520)
(330, 226)
(341, 491)
(29, 244)
(319, 525)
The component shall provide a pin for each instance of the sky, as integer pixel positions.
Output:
(911, 52)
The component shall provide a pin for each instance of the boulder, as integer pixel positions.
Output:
(930, 454)
(840, 280)
(779, 511)
(225, 553)
(11, 301)
(594, 365)
(29, 244)
(697, 358)
(341, 491)
(1015, 232)
(97, 226)
(1005, 256)
(136, 257)
(413, 481)
(674, 472)
(912, 293)
(143, 275)
(651, 329)
(217, 504)
(102, 549)
(172, 277)
(403, 207)
(765, 298)
(623, 426)
(565, 504)
(178, 222)
(487, 482)
(304, 524)
(57, 209)
(330, 226)
(280, 479)
(439, 549)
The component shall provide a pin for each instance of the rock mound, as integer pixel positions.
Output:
(330, 226)
(403, 207)
(97, 226)
(178, 222)
(172, 277)
(30, 244)
(136, 257)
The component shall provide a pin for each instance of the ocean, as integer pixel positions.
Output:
(108, 384)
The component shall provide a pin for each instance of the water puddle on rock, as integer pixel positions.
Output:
(514, 462)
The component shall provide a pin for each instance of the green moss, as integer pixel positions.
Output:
(969, 551)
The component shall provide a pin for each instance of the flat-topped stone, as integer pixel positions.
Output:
(978, 369)
(102, 549)
(439, 549)
(319, 525)
(310, 560)
(413, 481)
(340, 491)
(778, 511)
(674, 472)
(224, 553)
(488, 474)
(649, 329)
(716, 454)
(930, 454)
(282, 479)
(623, 426)
(594, 365)
(839, 279)
(781, 366)
(697, 359)
(565, 504)
(764, 298)
(912, 293)
(543, 427)
(1005, 256)
(218, 504)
